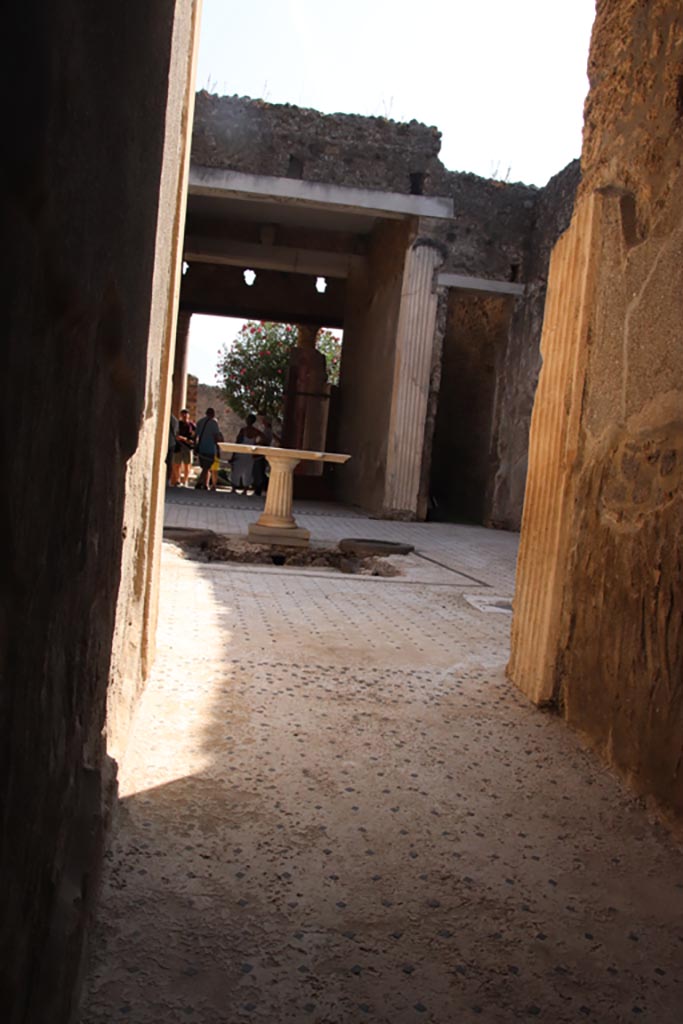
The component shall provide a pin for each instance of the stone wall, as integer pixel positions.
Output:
(490, 232)
(193, 403)
(598, 612)
(230, 422)
(80, 194)
(286, 141)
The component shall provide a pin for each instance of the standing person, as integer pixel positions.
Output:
(265, 426)
(259, 476)
(242, 466)
(213, 472)
(172, 432)
(208, 436)
(182, 456)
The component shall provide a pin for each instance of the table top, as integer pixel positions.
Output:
(292, 453)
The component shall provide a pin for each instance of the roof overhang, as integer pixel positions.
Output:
(234, 185)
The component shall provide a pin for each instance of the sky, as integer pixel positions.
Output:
(504, 81)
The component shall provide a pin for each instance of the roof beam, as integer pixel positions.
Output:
(271, 257)
(479, 284)
(216, 181)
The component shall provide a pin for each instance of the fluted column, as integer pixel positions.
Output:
(278, 510)
(549, 498)
(412, 369)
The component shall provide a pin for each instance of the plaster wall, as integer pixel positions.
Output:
(136, 616)
(367, 367)
(520, 363)
(611, 651)
(462, 459)
(101, 96)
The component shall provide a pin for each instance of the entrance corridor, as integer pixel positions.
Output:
(334, 808)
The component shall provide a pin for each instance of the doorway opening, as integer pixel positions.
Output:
(463, 460)
(286, 374)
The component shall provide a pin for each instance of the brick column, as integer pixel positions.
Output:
(179, 392)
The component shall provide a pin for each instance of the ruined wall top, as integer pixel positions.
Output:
(491, 230)
(634, 110)
(283, 140)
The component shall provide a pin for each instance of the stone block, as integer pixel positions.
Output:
(294, 537)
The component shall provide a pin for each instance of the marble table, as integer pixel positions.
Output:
(276, 524)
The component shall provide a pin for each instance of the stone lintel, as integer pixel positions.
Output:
(271, 257)
(479, 284)
(215, 181)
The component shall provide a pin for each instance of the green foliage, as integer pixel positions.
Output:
(330, 346)
(253, 370)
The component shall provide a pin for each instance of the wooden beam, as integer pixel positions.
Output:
(251, 255)
(479, 284)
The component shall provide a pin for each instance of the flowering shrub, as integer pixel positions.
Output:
(253, 370)
(330, 346)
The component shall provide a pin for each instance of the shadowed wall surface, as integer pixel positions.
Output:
(462, 459)
(80, 204)
(606, 643)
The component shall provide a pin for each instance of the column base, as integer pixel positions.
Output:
(293, 537)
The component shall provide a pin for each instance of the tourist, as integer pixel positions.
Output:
(242, 465)
(172, 432)
(208, 435)
(182, 456)
(213, 472)
(259, 475)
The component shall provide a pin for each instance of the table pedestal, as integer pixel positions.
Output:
(276, 524)
(293, 537)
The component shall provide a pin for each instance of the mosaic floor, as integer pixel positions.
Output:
(335, 809)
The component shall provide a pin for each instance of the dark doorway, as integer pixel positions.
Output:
(462, 462)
